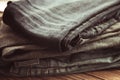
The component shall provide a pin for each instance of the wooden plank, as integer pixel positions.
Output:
(85, 77)
(71, 77)
(116, 71)
(1, 16)
(105, 75)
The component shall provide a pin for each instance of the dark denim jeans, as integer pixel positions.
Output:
(83, 38)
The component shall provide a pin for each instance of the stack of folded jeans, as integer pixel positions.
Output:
(56, 37)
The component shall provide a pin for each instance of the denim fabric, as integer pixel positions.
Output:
(22, 58)
(15, 47)
(97, 34)
(58, 24)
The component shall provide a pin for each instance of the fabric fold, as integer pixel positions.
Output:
(15, 47)
(22, 58)
(57, 37)
(59, 24)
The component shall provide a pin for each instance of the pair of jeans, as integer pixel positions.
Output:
(21, 58)
(99, 31)
(58, 24)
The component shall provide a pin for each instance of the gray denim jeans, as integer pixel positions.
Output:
(99, 49)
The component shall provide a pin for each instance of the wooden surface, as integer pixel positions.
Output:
(96, 75)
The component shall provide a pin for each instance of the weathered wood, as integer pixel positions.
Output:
(106, 75)
(85, 77)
